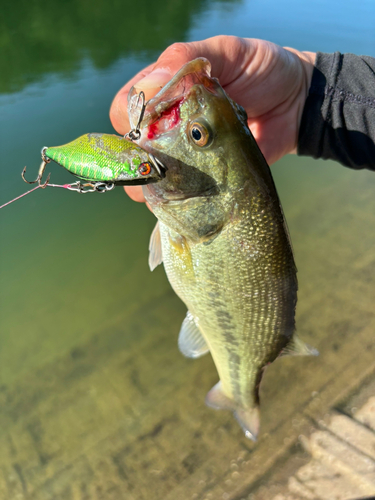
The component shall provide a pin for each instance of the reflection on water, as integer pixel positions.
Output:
(50, 36)
(95, 399)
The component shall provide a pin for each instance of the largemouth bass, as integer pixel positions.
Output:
(221, 235)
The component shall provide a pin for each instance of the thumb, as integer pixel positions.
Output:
(170, 61)
(227, 55)
(150, 80)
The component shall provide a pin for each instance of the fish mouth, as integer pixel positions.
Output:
(170, 196)
(163, 125)
(175, 188)
(162, 112)
(163, 118)
(162, 196)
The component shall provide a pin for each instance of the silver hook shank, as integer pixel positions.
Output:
(135, 133)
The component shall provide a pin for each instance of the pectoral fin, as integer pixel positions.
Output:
(298, 347)
(248, 418)
(190, 341)
(155, 256)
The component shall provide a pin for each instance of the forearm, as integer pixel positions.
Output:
(338, 120)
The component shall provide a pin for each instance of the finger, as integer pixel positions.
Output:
(150, 80)
(223, 52)
(118, 113)
(135, 193)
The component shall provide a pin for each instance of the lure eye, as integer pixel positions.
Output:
(144, 168)
(199, 134)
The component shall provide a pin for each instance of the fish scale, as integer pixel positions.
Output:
(245, 302)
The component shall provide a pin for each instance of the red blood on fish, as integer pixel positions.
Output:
(172, 114)
(152, 130)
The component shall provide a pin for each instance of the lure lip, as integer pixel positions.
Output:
(159, 166)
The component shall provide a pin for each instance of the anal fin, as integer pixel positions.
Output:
(190, 341)
(217, 400)
(298, 347)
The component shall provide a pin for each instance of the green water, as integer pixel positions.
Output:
(88, 360)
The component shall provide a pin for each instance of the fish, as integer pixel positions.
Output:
(221, 235)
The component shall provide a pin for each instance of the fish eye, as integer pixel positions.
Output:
(144, 168)
(200, 134)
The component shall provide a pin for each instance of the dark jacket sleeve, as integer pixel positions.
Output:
(338, 120)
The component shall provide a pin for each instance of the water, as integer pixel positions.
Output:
(95, 399)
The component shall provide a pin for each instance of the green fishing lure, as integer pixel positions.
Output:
(107, 158)
(103, 161)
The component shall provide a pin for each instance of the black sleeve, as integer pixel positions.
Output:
(338, 120)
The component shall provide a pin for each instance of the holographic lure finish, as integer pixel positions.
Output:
(110, 158)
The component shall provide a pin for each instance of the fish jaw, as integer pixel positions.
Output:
(165, 122)
(166, 137)
(166, 114)
(196, 71)
(191, 95)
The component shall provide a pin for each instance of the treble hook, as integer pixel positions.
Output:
(135, 133)
(42, 167)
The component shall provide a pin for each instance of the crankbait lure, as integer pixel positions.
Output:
(103, 161)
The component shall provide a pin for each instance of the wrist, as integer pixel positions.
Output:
(307, 62)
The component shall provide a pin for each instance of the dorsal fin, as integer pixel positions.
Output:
(155, 256)
(190, 341)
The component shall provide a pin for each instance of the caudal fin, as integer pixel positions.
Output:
(248, 418)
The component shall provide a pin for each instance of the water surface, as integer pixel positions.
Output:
(95, 399)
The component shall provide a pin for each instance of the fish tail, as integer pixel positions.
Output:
(249, 420)
(248, 417)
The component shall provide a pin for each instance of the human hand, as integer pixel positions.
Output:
(269, 81)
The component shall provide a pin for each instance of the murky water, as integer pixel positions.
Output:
(96, 401)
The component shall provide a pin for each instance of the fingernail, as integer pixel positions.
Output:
(155, 80)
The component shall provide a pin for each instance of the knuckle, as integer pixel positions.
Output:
(179, 50)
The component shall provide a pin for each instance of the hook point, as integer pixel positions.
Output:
(47, 181)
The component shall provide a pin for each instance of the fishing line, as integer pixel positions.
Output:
(18, 197)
